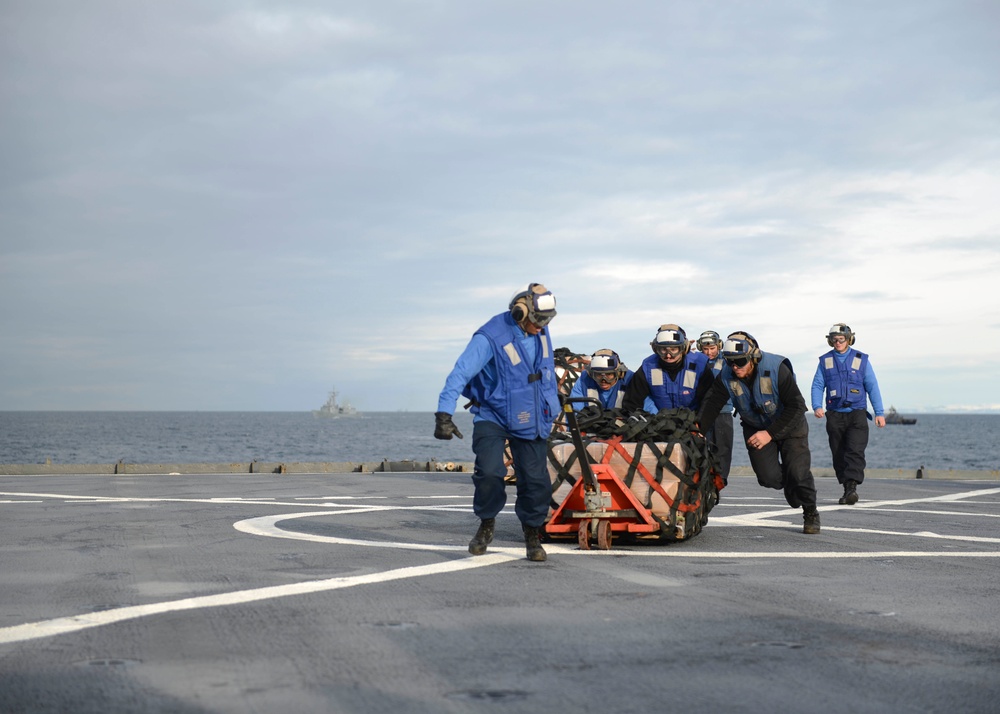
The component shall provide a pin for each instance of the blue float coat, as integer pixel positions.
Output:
(527, 412)
(869, 382)
(585, 386)
(681, 391)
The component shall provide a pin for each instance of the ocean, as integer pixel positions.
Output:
(936, 441)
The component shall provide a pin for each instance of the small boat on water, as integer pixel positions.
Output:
(893, 417)
(333, 408)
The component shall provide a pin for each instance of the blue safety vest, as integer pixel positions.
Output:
(524, 398)
(609, 399)
(669, 393)
(761, 406)
(845, 379)
(716, 366)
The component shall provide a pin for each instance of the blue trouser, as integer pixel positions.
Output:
(786, 464)
(848, 432)
(534, 487)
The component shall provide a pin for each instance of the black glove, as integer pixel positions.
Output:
(444, 427)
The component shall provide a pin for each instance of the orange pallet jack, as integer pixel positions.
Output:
(599, 504)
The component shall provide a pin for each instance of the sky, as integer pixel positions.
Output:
(238, 206)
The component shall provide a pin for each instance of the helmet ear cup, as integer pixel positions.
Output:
(525, 304)
(519, 311)
(518, 304)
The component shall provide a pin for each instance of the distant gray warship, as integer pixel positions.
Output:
(332, 408)
(894, 417)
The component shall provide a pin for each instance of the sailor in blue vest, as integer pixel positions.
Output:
(508, 373)
(604, 379)
(847, 377)
(673, 376)
(721, 433)
(762, 387)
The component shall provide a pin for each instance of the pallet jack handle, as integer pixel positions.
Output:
(589, 480)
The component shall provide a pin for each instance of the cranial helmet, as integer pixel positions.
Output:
(709, 337)
(740, 347)
(605, 362)
(840, 330)
(670, 335)
(535, 302)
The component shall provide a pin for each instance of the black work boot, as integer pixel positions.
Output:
(533, 543)
(850, 493)
(483, 537)
(810, 520)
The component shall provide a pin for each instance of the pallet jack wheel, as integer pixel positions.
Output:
(583, 535)
(604, 535)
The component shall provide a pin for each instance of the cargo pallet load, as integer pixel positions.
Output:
(651, 477)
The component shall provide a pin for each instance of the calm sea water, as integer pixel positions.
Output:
(936, 441)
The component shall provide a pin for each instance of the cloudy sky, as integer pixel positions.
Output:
(234, 205)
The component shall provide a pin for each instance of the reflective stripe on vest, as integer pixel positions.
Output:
(512, 355)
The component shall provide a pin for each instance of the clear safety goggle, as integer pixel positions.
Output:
(737, 352)
(544, 309)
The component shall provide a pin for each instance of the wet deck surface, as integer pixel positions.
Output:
(355, 593)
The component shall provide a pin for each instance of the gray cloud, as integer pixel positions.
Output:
(236, 204)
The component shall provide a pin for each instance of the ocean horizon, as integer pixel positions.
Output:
(936, 441)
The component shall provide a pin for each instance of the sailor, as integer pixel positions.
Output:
(762, 387)
(721, 433)
(604, 379)
(508, 373)
(673, 376)
(846, 376)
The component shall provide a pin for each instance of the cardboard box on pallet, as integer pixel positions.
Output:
(646, 495)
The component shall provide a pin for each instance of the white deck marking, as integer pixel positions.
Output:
(64, 625)
(268, 526)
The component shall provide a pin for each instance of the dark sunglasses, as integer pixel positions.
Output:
(738, 362)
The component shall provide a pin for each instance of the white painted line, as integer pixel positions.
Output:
(931, 513)
(788, 555)
(267, 526)
(948, 497)
(339, 498)
(64, 625)
(215, 501)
